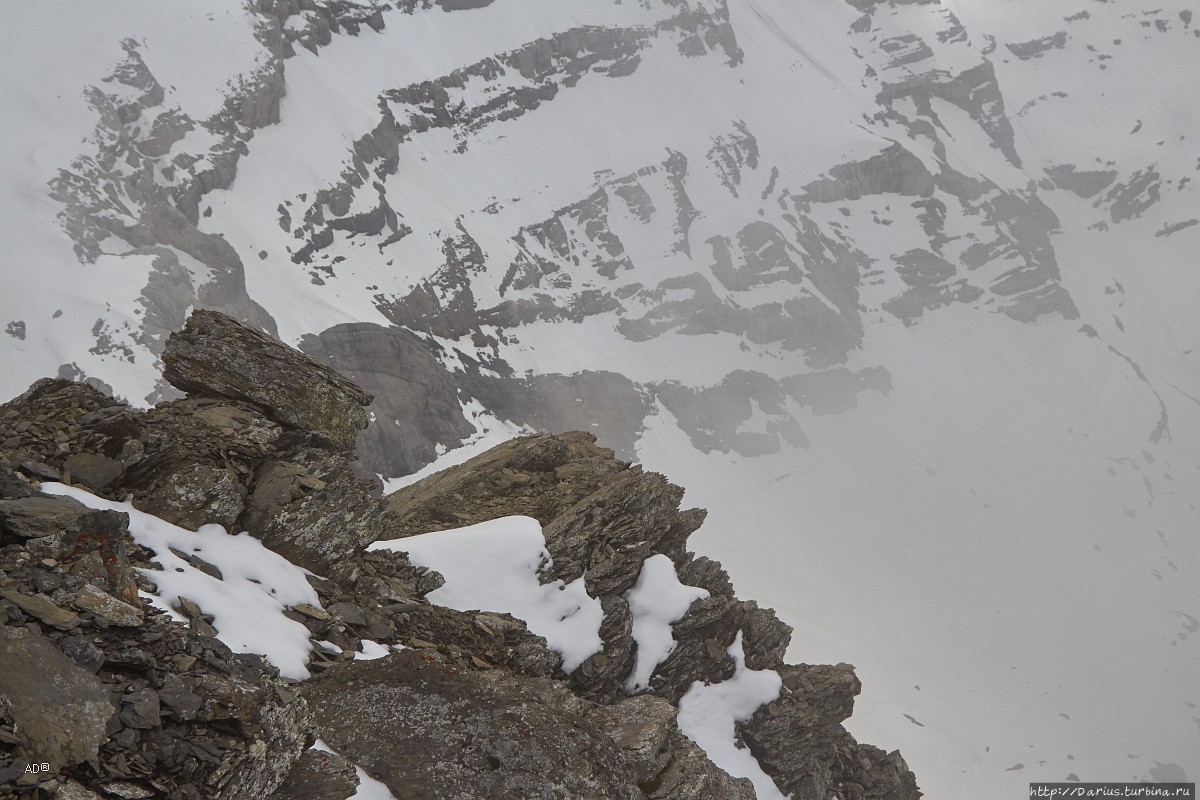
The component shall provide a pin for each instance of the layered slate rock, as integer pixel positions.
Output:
(441, 732)
(216, 355)
(60, 710)
(118, 700)
(602, 518)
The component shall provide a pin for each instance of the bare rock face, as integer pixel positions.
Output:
(665, 763)
(442, 732)
(437, 732)
(413, 392)
(537, 476)
(807, 717)
(319, 775)
(215, 355)
(58, 709)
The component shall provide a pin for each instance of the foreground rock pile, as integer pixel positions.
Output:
(103, 696)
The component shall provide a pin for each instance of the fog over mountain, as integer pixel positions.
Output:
(902, 291)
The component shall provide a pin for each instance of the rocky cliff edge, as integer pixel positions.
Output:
(104, 695)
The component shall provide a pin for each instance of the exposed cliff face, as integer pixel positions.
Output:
(121, 700)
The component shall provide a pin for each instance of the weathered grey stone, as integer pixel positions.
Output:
(92, 470)
(13, 485)
(61, 711)
(315, 511)
(107, 607)
(180, 701)
(141, 709)
(33, 517)
(799, 741)
(538, 476)
(439, 732)
(218, 356)
(73, 791)
(41, 608)
(319, 775)
(642, 727)
(691, 776)
(195, 494)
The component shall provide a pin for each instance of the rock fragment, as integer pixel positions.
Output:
(216, 356)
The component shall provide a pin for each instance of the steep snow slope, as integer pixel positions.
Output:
(901, 291)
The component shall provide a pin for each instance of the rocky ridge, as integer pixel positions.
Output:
(103, 696)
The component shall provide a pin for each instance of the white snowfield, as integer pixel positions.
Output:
(1003, 541)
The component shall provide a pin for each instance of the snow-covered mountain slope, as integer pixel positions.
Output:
(901, 291)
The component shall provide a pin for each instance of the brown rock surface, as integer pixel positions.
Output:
(217, 356)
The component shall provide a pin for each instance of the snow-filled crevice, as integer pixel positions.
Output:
(708, 715)
(657, 600)
(494, 566)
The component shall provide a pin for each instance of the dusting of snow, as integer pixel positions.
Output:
(708, 714)
(656, 600)
(247, 605)
(494, 566)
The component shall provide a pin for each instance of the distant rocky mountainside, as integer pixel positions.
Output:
(901, 291)
(103, 695)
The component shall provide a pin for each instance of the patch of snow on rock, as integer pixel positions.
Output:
(247, 602)
(656, 601)
(494, 566)
(708, 714)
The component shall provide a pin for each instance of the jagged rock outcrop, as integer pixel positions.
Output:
(462, 704)
(101, 695)
(215, 354)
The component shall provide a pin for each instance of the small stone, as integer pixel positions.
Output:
(312, 612)
(47, 582)
(40, 470)
(178, 698)
(128, 790)
(348, 613)
(73, 791)
(107, 607)
(141, 709)
(83, 652)
(205, 567)
(183, 662)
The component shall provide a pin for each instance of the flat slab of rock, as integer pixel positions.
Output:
(319, 775)
(438, 732)
(43, 609)
(217, 356)
(107, 607)
(34, 517)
